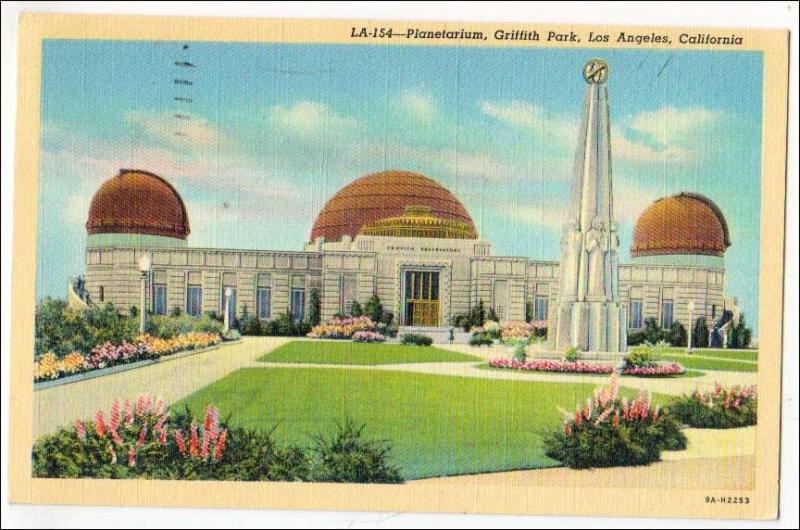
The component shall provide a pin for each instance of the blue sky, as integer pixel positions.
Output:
(277, 129)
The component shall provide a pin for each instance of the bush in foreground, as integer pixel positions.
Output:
(143, 440)
(481, 339)
(721, 408)
(608, 432)
(347, 457)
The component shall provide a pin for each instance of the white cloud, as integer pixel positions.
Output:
(419, 104)
(669, 124)
(309, 118)
(623, 148)
(527, 115)
(165, 126)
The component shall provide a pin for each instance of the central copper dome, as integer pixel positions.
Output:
(383, 195)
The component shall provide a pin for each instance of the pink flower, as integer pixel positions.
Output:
(180, 442)
(80, 429)
(128, 412)
(220, 448)
(211, 424)
(162, 436)
(143, 405)
(131, 457)
(193, 440)
(615, 421)
(142, 436)
(205, 445)
(99, 424)
(567, 429)
(114, 420)
(116, 438)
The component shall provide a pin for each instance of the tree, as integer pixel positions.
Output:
(528, 311)
(739, 336)
(477, 315)
(314, 307)
(374, 309)
(652, 331)
(677, 334)
(700, 333)
(355, 309)
(492, 315)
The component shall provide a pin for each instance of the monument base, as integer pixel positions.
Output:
(590, 327)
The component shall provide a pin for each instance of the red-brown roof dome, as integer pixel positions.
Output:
(687, 223)
(138, 202)
(386, 194)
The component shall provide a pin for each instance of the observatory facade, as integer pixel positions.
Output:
(404, 237)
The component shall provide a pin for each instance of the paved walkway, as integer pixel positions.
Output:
(171, 379)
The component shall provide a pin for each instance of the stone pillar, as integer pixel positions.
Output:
(589, 315)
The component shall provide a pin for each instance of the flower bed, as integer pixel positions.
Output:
(48, 367)
(342, 328)
(142, 439)
(654, 370)
(721, 408)
(547, 365)
(608, 431)
(510, 330)
(368, 336)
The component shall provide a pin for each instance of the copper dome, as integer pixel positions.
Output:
(138, 202)
(686, 223)
(386, 194)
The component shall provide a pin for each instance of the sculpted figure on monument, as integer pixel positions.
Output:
(571, 252)
(596, 245)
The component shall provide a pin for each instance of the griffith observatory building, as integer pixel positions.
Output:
(403, 236)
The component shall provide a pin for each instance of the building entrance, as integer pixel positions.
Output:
(422, 298)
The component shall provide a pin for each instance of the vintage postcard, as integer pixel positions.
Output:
(360, 265)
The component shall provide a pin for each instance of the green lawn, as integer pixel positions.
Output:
(437, 425)
(690, 361)
(347, 352)
(740, 355)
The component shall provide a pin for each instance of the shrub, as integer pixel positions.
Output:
(416, 339)
(700, 333)
(635, 338)
(232, 334)
(355, 309)
(677, 335)
(721, 408)
(368, 336)
(520, 349)
(141, 440)
(165, 327)
(492, 315)
(652, 331)
(739, 336)
(645, 355)
(654, 370)
(481, 339)
(374, 308)
(477, 315)
(608, 431)
(572, 354)
(540, 328)
(314, 307)
(347, 456)
(492, 328)
(547, 365)
(529, 312)
(511, 330)
(342, 328)
(250, 324)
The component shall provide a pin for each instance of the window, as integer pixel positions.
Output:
(347, 293)
(500, 298)
(159, 299)
(714, 311)
(263, 296)
(102, 294)
(667, 307)
(194, 300)
(636, 314)
(540, 308)
(298, 304)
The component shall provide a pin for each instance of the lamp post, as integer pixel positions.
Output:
(691, 327)
(144, 268)
(228, 293)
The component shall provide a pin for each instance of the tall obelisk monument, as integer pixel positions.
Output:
(589, 314)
